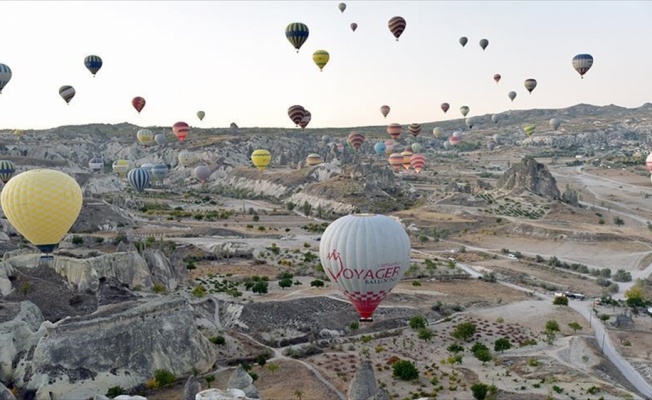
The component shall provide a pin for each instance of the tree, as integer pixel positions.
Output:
(552, 327)
(425, 334)
(455, 348)
(464, 331)
(209, 380)
(560, 301)
(618, 221)
(405, 370)
(317, 283)
(635, 296)
(502, 344)
(418, 322)
(479, 391)
(306, 208)
(622, 276)
(483, 355)
(285, 283)
(260, 287)
(575, 326)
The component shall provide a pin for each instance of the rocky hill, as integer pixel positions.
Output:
(529, 175)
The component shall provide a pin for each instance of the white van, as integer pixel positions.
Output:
(512, 257)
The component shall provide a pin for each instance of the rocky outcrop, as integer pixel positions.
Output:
(364, 385)
(529, 175)
(240, 379)
(217, 394)
(191, 388)
(121, 345)
(571, 197)
(5, 394)
(19, 323)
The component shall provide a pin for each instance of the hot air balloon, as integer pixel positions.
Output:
(18, 133)
(297, 34)
(396, 161)
(159, 171)
(445, 107)
(201, 115)
(648, 162)
(394, 130)
(396, 26)
(458, 134)
(470, 121)
(145, 137)
(5, 76)
(305, 120)
(202, 173)
(93, 64)
(407, 155)
(341, 6)
(417, 162)
(160, 139)
(491, 145)
(314, 159)
(555, 123)
(325, 138)
(447, 145)
(67, 92)
(438, 132)
(389, 146)
(384, 110)
(321, 57)
(414, 129)
(139, 179)
(186, 158)
(484, 43)
(261, 159)
(530, 84)
(96, 164)
(121, 167)
(148, 168)
(464, 110)
(454, 140)
(511, 95)
(354, 26)
(355, 139)
(497, 77)
(380, 148)
(496, 138)
(463, 41)
(365, 255)
(138, 103)
(42, 204)
(416, 147)
(181, 130)
(529, 130)
(7, 169)
(495, 118)
(296, 113)
(581, 62)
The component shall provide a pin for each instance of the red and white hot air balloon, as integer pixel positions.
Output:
(305, 120)
(181, 130)
(417, 162)
(396, 161)
(394, 130)
(415, 129)
(407, 155)
(365, 255)
(355, 139)
(296, 113)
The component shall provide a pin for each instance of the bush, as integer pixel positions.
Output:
(158, 288)
(77, 240)
(317, 283)
(354, 325)
(479, 391)
(405, 370)
(418, 322)
(115, 391)
(164, 377)
(199, 291)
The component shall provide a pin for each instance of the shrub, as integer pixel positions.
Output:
(418, 322)
(354, 325)
(164, 377)
(158, 288)
(115, 391)
(479, 391)
(317, 283)
(199, 291)
(77, 240)
(405, 370)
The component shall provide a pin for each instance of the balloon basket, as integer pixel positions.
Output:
(370, 319)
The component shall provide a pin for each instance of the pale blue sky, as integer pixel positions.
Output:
(232, 60)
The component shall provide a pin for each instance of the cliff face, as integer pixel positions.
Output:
(529, 175)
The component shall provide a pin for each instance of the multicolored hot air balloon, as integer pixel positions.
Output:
(511, 95)
(497, 77)
(407, 155)
(415, 129)
(93, 64)
(417, 162)
(67, 92)
(145, 137)
(201, 115)
(261, 159)
(354, 26)
(202, 173)
(445, 107)
(529, 130)
(297, 33)
(296, 113)
(380, 148)
(355, 139)
(181, 130)
(581, 63)
(96, 164)
(394, 130)
(42, 205)
(396, 161)
(341, 6)
(438, 132)
(530, 84)
(320, 58)
(314, 159)
(7, 170)
(160, 139)
(305, 120)
(186, 158)
(5, 76)
(139, 178)
(454, 140)
(138, 103)
(484, 43)
(463, 41)
(464, 110)
(384, 110)
(365, 255)
(555, 123)
(397, 26)
(121, 167)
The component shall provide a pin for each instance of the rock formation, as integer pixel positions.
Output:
(241, 380)
(364, 385)
(19, 323)
(191, 388)
(217, 394)
(5, 394)
(529, 175)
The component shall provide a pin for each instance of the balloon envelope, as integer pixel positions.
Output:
(384, 110)
(138, 103)
(5, 76)
(320, 58)
(648, 162)
(67, 92)
(581, 63)
(202, 173)
(380, 148)
(121, 167)
(305, 120)
(365, 255)
(511, 95)
(139, 178)
(297, 34)
(354, 26)
(341, 6)
(186, 157)
(484, 43)
(93, 64)
(396, 26)
(261, 159)
(96, 164)
(42, 204)
(464, 110)
(314, 159)
(555, 123)
(530, 84)
(497, 77)
(201, 115)
(160, 139)
(181, 130)
(463, 41)
(296, 113)
(159, 171)
(394, 130)
(445, 107)
(7, 170)
(145, 136)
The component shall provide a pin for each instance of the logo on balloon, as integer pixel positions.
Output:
(385, 273)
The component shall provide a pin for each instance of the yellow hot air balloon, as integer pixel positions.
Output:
(321, 57)
(261, 159)
(42, 204)
(121, 167)
(529, 130)
(18, 133)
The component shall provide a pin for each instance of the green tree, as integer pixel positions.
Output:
(209, 380)
(479, 391)
(635, 296)
(560, 301)
(455, 348)
(260, 287)
(285, 283)
(425, 334)
(317, 283)
(552, 327)
(306, 208)
(619, 221)
(405, 370)
(575, 326)
(483, 355)
(464, 331)
(502, 344)
(418, 322)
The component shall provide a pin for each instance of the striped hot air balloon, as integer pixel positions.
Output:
(396, 26)
(67, 92)
(5, 76)
(138, 178)
(355, 139)
(296, 113)
(581, 63)
(261, 159)
(384, 110)
(415, 129)
(320, 58)
(7, 169)
(407, 155)
(305, 120)
(145, 137)
(93, 64)
(138, 103)
(181, 130)
(314, 159)
(417, 162)
(202, 173)
(529, 130)
(394, 130)
(396, 161)
(297, 33)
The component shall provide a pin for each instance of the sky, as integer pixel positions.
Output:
(233, 61)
